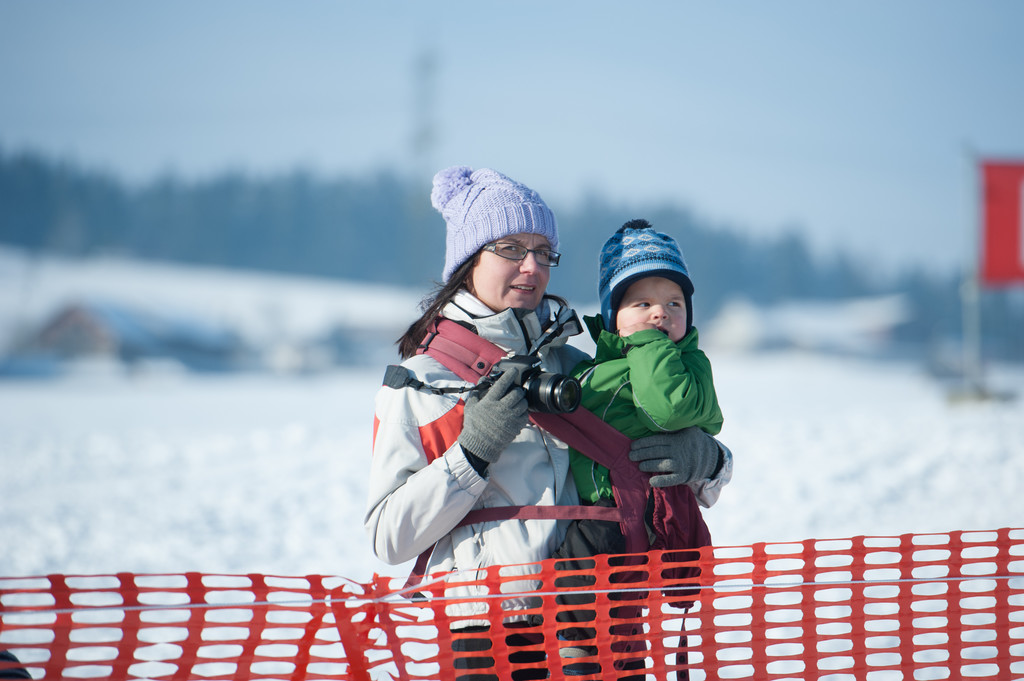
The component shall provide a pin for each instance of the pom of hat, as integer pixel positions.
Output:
(448, 183)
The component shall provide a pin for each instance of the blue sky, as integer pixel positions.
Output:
(856, 123)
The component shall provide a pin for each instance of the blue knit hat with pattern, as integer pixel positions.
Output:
(636, 251)
(483, 206)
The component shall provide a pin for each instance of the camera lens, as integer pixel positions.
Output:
(568, 394)
(553, 393)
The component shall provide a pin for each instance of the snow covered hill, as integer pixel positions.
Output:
(279, 318)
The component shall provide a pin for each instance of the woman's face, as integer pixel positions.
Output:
(502, 283)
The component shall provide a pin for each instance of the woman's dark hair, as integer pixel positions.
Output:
(432, 305)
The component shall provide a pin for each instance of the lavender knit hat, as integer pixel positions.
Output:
(636, 251)
(482, 206)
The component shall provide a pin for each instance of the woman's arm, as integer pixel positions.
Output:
(708, 490)
(421, 484)
(686, 457)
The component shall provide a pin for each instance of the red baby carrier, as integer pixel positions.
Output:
(676, 521)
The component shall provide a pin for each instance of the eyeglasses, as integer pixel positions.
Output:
(545, 256)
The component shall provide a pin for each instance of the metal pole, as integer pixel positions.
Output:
(970, 292)
(970, 295)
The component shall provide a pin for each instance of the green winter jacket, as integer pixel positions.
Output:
(642, 384)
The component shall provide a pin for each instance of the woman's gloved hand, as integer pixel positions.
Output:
(684, 456)
(492, 420)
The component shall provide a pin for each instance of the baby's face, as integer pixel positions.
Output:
(653, 303)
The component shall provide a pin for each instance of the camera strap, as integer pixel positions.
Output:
(564, 319)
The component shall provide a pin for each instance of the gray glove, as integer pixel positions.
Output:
(683, 456)
(492, 420)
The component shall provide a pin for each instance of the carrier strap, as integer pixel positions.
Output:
(586, 432)
(460, 350)
(495, 513)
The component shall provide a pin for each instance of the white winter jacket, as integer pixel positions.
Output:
(422, 485)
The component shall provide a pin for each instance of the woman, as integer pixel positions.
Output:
(442, 452)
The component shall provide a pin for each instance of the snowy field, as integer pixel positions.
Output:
(104, 472)
(264, 474)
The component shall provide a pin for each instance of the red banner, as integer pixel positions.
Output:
(1002, 252)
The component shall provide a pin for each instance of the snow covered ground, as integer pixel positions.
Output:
(103, 471)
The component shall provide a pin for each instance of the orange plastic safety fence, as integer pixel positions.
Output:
(930, 606)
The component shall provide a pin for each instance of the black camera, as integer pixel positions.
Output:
(547, 392)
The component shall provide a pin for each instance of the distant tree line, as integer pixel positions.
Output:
(381, 228)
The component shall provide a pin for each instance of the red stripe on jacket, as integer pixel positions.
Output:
(437, 436)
